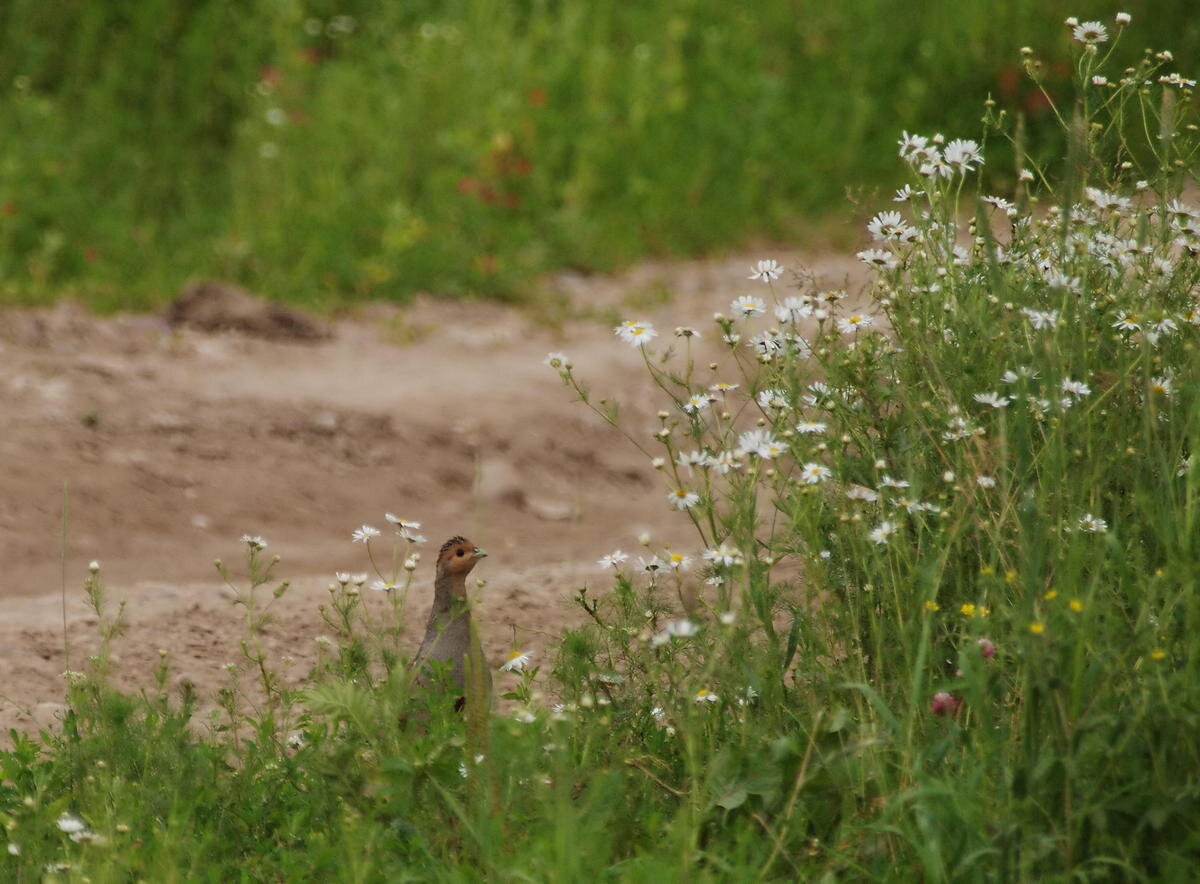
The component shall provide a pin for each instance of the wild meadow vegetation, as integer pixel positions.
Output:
(940, 620)
(323, 152)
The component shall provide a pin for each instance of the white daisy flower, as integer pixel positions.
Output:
(995, 400)
(678, 561)
(912, 146)
(809, 428)
(516, 661)
(767, 271)
(723, 555)
(814, 473)
(651, 565)
(882, 532)
(635, 333)
(256, 543)
(407, 524)
(724, 462)
(71, 824)
(1075, 388)
(681, 628)
(1161, 386)
(772, 449)
(766, 345)
(1002, 204)
(770, 399)
(985, 481)
(1166, 325)
(793, 309)
(1106, 201)
(1041, 319)
(887, 226)
(762, 443)
(962, 154)
(704, 695)
(612, 560)
(365, 534)
(690, 459)
(557, 360)
(879, 259)
(747, 306)
(862, 492)
(682, 499)
(854, 322)
(696, 403)
(1094, 524)
(1090, 33)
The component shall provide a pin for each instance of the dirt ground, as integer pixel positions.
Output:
(169, 444)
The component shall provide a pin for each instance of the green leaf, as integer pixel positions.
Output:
(735, 796)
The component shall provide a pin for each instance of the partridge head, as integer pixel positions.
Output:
(456, 558)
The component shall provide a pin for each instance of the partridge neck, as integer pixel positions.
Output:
(447, 590)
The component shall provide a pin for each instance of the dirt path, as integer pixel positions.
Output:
(172, 444)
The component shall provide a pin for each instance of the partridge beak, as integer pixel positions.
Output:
(479, 553)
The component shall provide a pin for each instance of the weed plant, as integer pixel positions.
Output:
(941, 623)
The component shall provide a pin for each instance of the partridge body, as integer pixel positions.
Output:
(450, 634)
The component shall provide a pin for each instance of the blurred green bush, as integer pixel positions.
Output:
(321, 152)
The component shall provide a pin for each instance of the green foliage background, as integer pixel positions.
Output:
(465, 146)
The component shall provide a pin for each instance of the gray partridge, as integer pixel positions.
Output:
(450, 635)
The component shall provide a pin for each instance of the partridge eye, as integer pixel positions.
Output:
(459, 553)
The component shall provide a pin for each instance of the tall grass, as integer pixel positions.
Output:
(326, 152)
(939, 624)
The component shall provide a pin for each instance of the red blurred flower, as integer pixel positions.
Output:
(944, 703)
(988, 648)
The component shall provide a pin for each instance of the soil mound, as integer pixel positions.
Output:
(218, 306)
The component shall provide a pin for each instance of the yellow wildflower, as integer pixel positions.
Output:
(1050, 594)
(1037, 627)
(1158, 654)
(968, 610)
(986, 570)
(932, 606)
(1075, 605)
(1010, 577)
